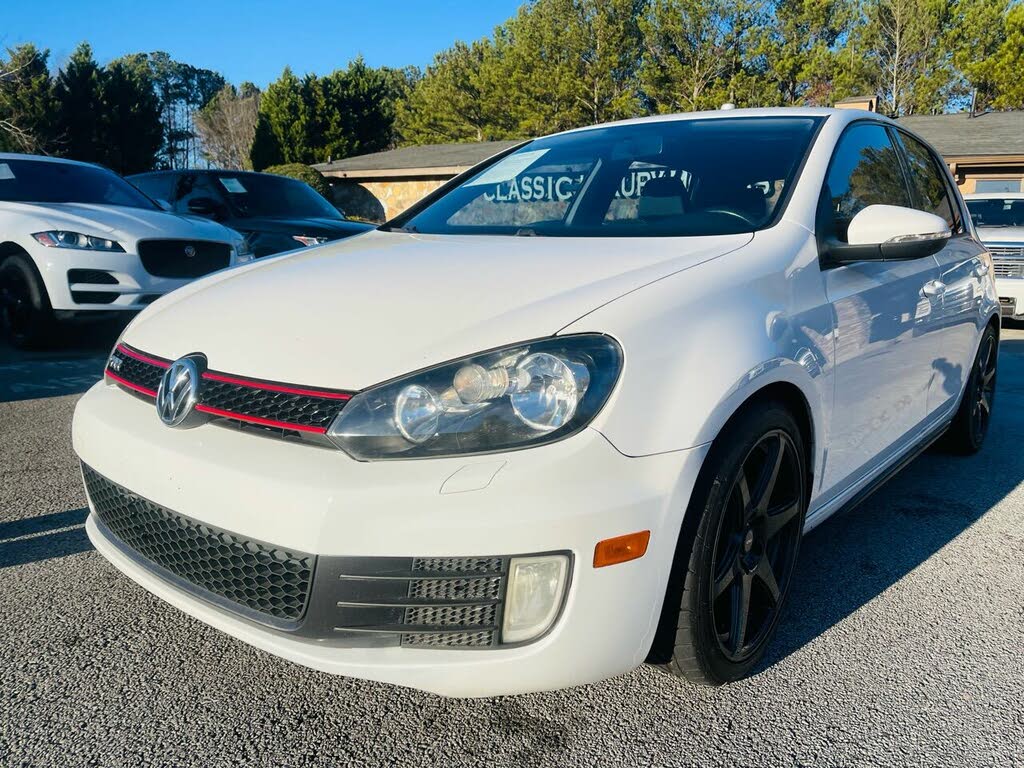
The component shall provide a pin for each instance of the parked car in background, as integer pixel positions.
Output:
(619, 372)
(999, 218)
(274, 213)
(77, 241)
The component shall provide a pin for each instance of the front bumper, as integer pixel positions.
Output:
(562, 497)
(1011, 297)
(134, 290)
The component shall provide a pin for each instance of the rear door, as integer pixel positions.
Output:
(883, 350)
(959, 316)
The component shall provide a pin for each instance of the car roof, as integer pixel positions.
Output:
(45, 159)
(212, 171)
(841, 115)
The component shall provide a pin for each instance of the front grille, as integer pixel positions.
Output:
(1008, 267)
(94, 297)
(168, 258)
(292, 409)
(265, 404)
(1007, 250)
(257, 579)
(92, 276)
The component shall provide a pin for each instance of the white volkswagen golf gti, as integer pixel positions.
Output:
(571, 413)
(78, 242)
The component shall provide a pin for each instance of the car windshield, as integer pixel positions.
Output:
(666, 178)
(997, 212)
(265, 195)
(42, 181)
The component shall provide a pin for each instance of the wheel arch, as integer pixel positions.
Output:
(796, 401)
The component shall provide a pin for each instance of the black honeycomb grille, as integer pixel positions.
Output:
(183, 258)
(272, 582)
(302, 410)
(257, 402)
(456, 589)
(449, 639)
(138, 372)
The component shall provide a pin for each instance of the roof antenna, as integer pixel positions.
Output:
(728, 105)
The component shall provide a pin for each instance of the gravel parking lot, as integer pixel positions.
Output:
(902, 643)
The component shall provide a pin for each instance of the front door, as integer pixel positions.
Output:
(882, 313)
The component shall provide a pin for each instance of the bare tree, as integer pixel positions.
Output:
(227, 126)
(15, 133)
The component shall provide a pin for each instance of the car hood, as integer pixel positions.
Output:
(124, 223)
(316, 227)
(361, 311)
(997, 235)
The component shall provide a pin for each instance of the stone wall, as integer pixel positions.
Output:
(378, 201)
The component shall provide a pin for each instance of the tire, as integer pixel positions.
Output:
(25, 312)
(970, 425)
(735, 549)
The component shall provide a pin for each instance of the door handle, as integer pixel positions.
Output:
(933, 289)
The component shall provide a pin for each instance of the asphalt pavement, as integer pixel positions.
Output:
(902, 644)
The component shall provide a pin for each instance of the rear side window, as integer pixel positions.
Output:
(158, 187)
(928, 180)
(865, 170)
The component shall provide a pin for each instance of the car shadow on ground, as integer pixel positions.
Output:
(72, 364)
(43, 537)
(858, 554)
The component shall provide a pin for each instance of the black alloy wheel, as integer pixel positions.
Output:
(757, 542)
(984, 388)
(25, 312)
(738, 548)
(970, 425)
(15, 302)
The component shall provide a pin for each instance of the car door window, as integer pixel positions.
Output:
(191, 186)
(157, 187)
(928, 181)
(865, 170)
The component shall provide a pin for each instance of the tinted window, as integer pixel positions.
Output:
(267, 195)
(928, 179)
(997, 212)
(157, 186)
(194, 186)
(865, 170)
(675, 177)
(39, 181)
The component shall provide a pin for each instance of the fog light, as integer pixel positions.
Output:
(535, 589)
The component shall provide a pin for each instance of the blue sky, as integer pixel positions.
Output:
(253, 39)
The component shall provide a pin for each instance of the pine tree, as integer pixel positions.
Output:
(79, 97)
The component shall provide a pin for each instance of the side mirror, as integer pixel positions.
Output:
(889, 233)
(203, 206)
(164, 205)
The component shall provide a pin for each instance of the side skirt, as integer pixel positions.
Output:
(889, 472)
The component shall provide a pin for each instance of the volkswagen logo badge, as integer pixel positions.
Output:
(190, 251)
(179, 390)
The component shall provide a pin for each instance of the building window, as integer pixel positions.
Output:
(999, 185)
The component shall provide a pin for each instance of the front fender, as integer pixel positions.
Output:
(700, 343)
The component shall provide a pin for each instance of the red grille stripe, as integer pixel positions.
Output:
(253, 384)
(144, 358)
(130, 384)
(259, 420)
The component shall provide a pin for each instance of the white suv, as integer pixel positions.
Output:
(999, 217)
(572, 412)
(77, 241)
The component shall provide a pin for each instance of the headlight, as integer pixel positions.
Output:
(515, 397)
(309, 240)
(243, 251)
(60, 238)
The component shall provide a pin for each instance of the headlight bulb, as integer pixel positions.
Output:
(417, 413)
(555, 389)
